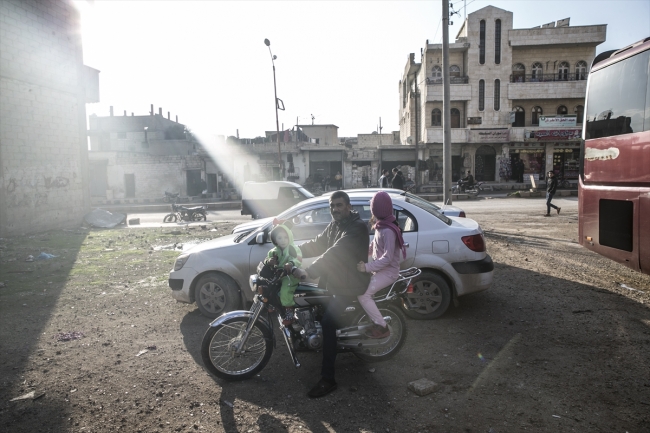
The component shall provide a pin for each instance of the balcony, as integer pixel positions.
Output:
(452, 80)
(543, 78)
(460, 90)
(546, 86)
(435, 135)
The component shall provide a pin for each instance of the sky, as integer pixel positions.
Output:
(340, 61)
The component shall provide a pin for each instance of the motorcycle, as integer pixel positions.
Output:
(239, 344)
(182, 213)
(171, 196)
(473, 191)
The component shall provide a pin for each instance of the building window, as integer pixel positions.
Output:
(497, 42)
(497, 95)
(436, 74)
(454, 71)
(562, 110)
(580, 112)
(481, 44)
(520, 117)
(537, 72)
(481, 95)
(455, 118)
(534, 116)
(581, 70)
(436, 117)
(518, 73)
(563, 71)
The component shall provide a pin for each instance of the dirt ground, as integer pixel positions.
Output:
(561, 342)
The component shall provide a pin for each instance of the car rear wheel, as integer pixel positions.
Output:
(216, 294)
(430, 298)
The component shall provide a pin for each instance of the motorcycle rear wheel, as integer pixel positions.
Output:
(170, 218)
(198, 216)
(398, 334)
(218, 349)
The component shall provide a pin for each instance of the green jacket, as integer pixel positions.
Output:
(290, 254)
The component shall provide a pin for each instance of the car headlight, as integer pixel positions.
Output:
(180, 261)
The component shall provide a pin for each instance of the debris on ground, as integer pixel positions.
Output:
(2, 285)
(104, 219)
(142, 352)
(422, 386)
(69, 336)
(45, 256)
(25, 396)
(29, 258)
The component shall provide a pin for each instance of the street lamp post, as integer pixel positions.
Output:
(277, 123)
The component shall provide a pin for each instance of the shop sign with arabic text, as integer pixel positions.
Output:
(560, 121)
(489, 135)
(553, 134)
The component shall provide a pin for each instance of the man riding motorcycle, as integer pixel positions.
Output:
(466, 182)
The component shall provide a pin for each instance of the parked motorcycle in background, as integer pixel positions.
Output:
(239, 344)
(472, 191)
(171, 196)
(182, 213)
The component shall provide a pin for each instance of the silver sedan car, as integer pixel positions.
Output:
(450, 251)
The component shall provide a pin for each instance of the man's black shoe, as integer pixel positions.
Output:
(322, 388)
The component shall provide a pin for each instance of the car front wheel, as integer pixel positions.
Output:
(216, 294)
(430, 298)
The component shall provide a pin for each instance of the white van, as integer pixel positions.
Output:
(267, 199)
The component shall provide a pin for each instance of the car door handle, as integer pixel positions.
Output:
(406, 244)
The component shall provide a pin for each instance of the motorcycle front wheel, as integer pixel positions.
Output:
(474, 192)
(398, 334)
(220, 344)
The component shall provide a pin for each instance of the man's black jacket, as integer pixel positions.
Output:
(551, 185)
(340, 247)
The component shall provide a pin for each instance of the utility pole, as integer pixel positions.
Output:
(446, 109)
(277, 123)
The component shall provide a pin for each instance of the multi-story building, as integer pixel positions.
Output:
(44, 87)
(515, 94)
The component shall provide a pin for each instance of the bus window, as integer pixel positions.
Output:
(617, 98)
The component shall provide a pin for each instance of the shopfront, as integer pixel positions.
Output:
(565, 160)
(485, 158)
(324, 164)
(533, 156)
(391, 158)
(558, 149)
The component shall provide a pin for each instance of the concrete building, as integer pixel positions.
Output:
(515, 94)
(138, 158)
(44, 87)
(313, 153)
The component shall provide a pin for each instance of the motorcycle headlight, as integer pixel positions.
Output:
(252, 281)
(180, 261)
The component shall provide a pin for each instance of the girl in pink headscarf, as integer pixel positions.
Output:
(387, 249)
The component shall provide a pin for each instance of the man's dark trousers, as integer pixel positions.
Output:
(331, 322)
(549, 205)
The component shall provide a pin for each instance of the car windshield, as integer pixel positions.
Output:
(306, 193)
(428, 207)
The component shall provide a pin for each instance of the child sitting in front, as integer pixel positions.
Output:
(386, 247)
(285, 254)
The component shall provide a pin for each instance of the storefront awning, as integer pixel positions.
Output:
(323, 156)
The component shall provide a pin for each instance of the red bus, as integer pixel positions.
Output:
(614, 183)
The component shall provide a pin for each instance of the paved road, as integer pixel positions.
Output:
(483, 205)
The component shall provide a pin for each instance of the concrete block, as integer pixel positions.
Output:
(524, 193)
(422, 386)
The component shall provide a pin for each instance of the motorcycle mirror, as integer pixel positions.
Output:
(259, 238)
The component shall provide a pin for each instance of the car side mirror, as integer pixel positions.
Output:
(259, 238)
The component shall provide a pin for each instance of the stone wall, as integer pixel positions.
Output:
(43, 150)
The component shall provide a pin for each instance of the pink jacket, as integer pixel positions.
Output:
(385, 253)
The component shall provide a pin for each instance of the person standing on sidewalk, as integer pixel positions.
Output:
(551, 187)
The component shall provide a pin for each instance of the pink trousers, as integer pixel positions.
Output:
(378, 281)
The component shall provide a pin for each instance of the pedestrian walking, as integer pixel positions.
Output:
(551, 187)
(339, 180)
(384, 179)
